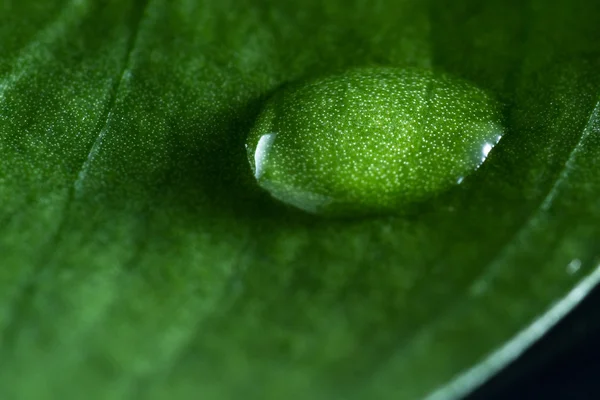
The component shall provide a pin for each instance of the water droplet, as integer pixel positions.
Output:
(574, 266)
(371, 140)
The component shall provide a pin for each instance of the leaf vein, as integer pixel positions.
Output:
(545, 204)
(140, 5)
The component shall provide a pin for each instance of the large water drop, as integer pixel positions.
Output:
(371, 140)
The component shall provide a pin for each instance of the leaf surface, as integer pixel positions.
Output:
(139, 259)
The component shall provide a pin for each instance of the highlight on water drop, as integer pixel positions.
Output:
(371, 140)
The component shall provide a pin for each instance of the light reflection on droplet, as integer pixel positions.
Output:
(487, 147)
(262, 152)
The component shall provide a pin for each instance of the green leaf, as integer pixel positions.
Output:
(139, 259)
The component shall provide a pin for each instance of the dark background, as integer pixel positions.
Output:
(565, 364)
